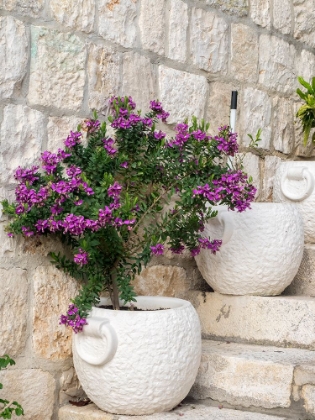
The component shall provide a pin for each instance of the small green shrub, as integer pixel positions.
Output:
(7, 408)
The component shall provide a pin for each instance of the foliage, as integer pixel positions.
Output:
(107, 199)
(306, 112)
(7, 408)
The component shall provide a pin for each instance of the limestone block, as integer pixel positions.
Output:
(74, 14)
(22, 131)
(284, 321)
(161, 280)
(178, 24)
(117, 21)
(209, 41)
(304, 281)
(57, 74)
(13, 54)
(182, 94)
(70, 387)
(139, 79)
(304, 13)
(194, 411)
(256, 108)
(13, 310)
(305, 64)
(218, 109)
(244, 53)
(276, 64)
(33, 388)
(308, 395)
(304, 375)
(251, 166)
(52, 293)
(260, 12)
(247, 375)
(282, 19)
(283, 125)
(31, 8)
(104, 75)
(271, 164)
(235, 7)
(58, 129)
(152, 25)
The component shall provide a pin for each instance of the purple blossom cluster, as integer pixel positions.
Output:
(51, 160)
(27, 198)
(26, 175)
(108, 146)
(157, 107)
(233, 185)
(81, 258)
(227, 141)
(91, 125)
(177, 250)
(182, 136)
(157, 249)
(73, 319)
(73, 139)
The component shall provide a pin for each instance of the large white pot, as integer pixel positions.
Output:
(261, 251)
(294, 182)
(136, 363)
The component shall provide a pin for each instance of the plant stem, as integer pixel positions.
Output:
(114, 295)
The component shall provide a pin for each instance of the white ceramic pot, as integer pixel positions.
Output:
(294, 182)
(135, 363)
(261, 250)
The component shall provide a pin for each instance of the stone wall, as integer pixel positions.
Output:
(62, 58)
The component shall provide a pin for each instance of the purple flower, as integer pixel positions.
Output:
(213, 246)
(42, 225)
(177, 250)
(159, 135)
(156, 107)
(81, 258)
(10, 235)
(50, 161)
(73, 224)
(157, 249)
(108, 146)
(104, 216)
(147, 121)
(73, 171)
(195, 251)
(26, 175)
(73, 319)
(19, 209)
(78, 202)
(91, 125)
(199, 135)
(73, 139)
(114, 190)
(124, 165)
(27, 231)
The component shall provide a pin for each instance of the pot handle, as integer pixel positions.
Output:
(297, 174)
(98, 328)
(228, 226)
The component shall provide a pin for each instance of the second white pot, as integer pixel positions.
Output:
(261, 251)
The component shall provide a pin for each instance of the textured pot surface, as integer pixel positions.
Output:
(294, 182)
(155, 358)
(261, 251)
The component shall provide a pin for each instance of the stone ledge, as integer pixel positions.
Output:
(187, 411)
(282, 321)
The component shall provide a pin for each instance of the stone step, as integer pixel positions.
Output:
(194, 411)
(255, 376)
(304, 281)
(283, 321)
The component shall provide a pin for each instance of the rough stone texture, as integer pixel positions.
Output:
(304, 375)
(161, 280)
(74, 14)
(70, 387)
(271, 164)
(276, 57)
(52, 293)
(178, 23)
(117, 21)
(31, 8)
(151, 22)
(235, 7)
(13, 55)
(304, 281)
(218, 109)
(260, 12)
(194, 411)
(284, 321)
(22, 131)
(251, 167)
(305, 64)
(167, 340)
(244, 53)
(304, 21)
(58, 129)
(33, 388)
(13, 311)
(282, 19)
(257, 105)
(57, 74)
(104, 66)
(182, 94)
(247, 375)
(138, 79)
(308, 395)
(283, 127)
(209, 41)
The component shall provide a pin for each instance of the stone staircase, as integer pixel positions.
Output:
(258, 362)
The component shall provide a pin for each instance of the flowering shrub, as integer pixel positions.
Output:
(107, 199)
(8, 408)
